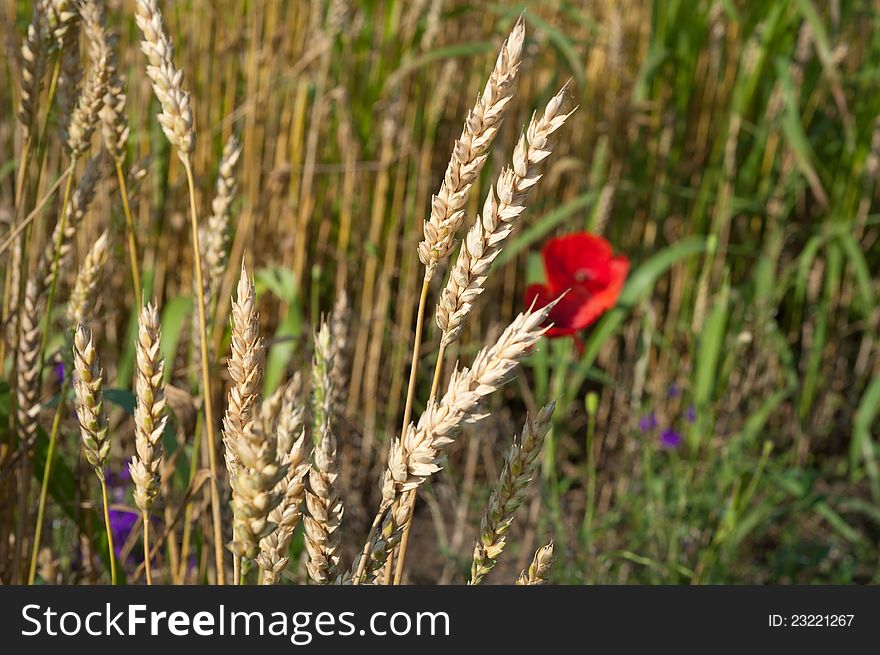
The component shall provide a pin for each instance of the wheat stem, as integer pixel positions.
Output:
(129, 231)
(145, 516)
(44, 487)
(206, 376)
(110, 548)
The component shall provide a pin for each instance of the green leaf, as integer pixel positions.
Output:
(174, 316)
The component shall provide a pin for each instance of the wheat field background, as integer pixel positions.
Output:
(718, 424)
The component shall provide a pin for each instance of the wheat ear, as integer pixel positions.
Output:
(519, 469)
(61, 243)
(539, 569)
(82, 296)
(114, 123)
(501, 213)
(323, 503)
(69, 80)
(33, 65)
(88, 386)
(470, 152)
(149, 420)
(176, 118)
(339, 320)
(91, 98)
(61, 15)
(28, 362)
(245, 368)
(419, 453)
(215, 241)
(150, 412)
(293, 452)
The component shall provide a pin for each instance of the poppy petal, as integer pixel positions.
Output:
(574, 259)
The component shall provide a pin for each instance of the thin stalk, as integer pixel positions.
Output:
(53, 285)
(404, 538)
(407, 410)
(147, 572)
(109, 532)
(206, 377)
(129, 229)
(236, 570)
(44, 488)
(187, 515)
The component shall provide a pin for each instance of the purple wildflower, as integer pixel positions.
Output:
(648, 422)
(59, 371)
(691, 414)
(674, 390)
(121, 524)
(669, 438)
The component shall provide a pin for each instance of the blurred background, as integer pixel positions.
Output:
(719, 426)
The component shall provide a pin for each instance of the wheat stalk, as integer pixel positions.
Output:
(323, 503)
(83, 294)
(470, 152)
(539, 569)
(176, 118)
(245, 366)
(520, 466)
(501, 213)
(149, 420)
(339, 340)
(419, 453)
(292, 447)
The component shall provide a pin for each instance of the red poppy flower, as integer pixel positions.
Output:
(584, 265)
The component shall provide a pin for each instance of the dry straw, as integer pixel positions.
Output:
(470, 152)
(519, 469)
(322, 522)
(539, 569)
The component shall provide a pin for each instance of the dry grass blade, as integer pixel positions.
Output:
(245, 368)
(519, 469)
(150, 414)
(470, 152)
(501, 214)
(322, 522)
(82, 297)
(539, 569)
